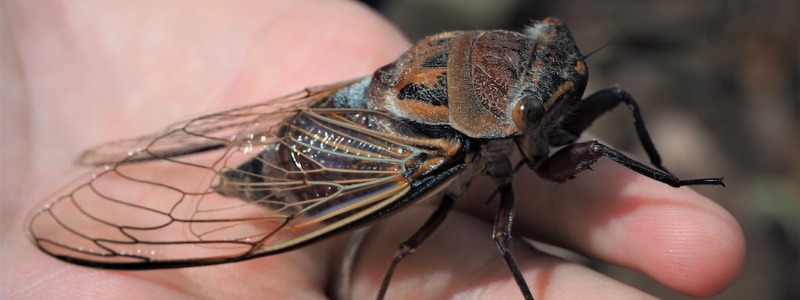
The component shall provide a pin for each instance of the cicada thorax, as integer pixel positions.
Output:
(415, 86)
(473, 80)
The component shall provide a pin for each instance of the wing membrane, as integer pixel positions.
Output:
(207, 133)
(259, 186)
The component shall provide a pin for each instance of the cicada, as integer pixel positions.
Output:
(274, 176)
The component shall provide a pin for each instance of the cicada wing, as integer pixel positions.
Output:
(274, 191)
(209, 132)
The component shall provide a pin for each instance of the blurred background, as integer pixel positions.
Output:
(719, 85)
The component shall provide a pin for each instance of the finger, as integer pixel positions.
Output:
(461, 260)
(677, 236)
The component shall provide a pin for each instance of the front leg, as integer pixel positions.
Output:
(592, 107)
(574, 158)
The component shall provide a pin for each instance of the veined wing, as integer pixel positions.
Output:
(210, 132)
(267, 190)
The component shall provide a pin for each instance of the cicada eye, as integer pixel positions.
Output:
(528, 112)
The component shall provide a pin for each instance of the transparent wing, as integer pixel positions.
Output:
(209, 132)
(258, 186)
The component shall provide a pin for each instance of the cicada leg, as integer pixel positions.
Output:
(502, 172)
(502, 236)
(499, 168)
(574, 158)
(409, 246)
(597, 104)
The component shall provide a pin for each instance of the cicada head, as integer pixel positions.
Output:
(558, 74)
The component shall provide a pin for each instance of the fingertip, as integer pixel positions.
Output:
(679, 237)
(703, 251)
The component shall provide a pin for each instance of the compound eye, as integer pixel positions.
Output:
(528, 113)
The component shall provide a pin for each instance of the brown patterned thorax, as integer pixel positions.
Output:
(474, 80)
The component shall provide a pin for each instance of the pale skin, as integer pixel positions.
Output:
(93, 72)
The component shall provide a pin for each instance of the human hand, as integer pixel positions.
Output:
(116, 69)
(94, 72)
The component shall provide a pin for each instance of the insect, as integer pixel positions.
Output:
(271, 177)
